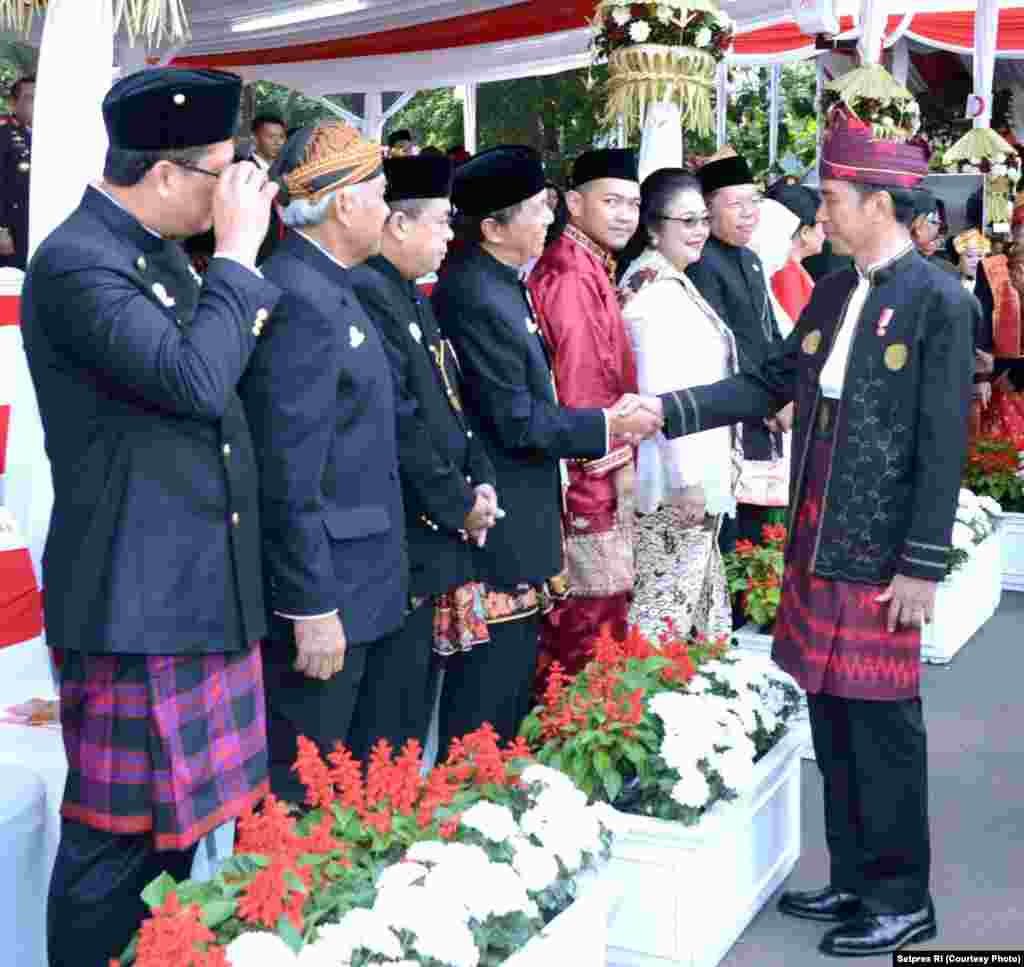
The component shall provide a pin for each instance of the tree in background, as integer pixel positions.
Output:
(16, 60)
(561, 115)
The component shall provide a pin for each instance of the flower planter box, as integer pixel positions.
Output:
(579, 934)
(965, 601)
(689, 892)
(1011, 537)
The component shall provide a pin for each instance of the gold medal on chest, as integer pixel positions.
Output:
(812, 342)
(896, 356)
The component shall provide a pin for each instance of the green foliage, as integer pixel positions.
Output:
(754, 571)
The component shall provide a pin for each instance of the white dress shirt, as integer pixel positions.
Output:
(833, 373)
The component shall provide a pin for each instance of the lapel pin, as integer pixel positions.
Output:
(883, 322)
(355, 337)
(416, 332)
(161, 293)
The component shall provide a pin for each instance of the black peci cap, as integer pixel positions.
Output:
(497, 178)
(167, 108)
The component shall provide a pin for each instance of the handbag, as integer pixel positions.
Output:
(765, 483)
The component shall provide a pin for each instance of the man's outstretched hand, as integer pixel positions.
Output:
(635, 417)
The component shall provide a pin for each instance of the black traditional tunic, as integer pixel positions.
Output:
(889, 483)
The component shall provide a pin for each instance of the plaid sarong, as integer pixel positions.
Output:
(169, 744)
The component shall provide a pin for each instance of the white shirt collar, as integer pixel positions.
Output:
(322, 249)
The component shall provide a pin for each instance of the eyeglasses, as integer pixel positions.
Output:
(690, 221)
(188, 166)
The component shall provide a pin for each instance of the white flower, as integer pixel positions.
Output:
(621, 16)
(639, 31)
(999, 170)
(967, 498)
(439, 925)
(702, 38)
(963, 536)
(259, 949)
(692, 789)
(547, 777)
(735, 768)
(990, 505)
(492, 821)
(358, 928)
(536, 865)
(400, 875)
(664, 13)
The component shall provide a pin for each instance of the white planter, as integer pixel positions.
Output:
(1011, 536)
(689, 892)
(965, 601)
(579, 934)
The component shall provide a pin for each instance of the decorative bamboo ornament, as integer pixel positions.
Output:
(156, 22)
(650, 73)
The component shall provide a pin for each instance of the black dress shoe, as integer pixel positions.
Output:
(828, 905)
(880, 933)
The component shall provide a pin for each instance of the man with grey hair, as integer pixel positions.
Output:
(731, 278)
(320, 402)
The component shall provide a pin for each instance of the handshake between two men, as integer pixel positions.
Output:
(635, 418)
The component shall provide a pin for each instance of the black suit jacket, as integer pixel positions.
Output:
(440, 458)
(321, 404)
(154, 539)
(733, 282)
(483, 308)
(15, 169)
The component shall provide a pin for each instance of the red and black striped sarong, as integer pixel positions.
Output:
(169, 744)
(831, 636)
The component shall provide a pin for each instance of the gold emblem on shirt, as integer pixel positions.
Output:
(896, 356)
(812, 342)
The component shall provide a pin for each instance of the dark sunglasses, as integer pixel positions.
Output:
(690, 221)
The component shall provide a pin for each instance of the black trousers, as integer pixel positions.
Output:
(873, 759)
(382, 692)
(492, 683)
(94, 905)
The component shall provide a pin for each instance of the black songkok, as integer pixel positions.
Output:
(168, 108)
(420, 176)
(724, 173)
(618, 163)
(496, 179)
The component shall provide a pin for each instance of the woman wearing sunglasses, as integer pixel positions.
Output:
(684, 486)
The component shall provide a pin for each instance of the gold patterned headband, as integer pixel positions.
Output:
(336, 155)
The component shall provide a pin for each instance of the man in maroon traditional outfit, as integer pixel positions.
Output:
(880, 367)
(574, 295)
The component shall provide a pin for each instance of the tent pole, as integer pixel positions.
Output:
(986, 24)
(774, 85)
(721, 103)
(373, 122)
(469, 117)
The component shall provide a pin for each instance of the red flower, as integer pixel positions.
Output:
(176, 937)
(774, 534)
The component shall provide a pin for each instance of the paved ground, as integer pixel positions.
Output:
(974, 708)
